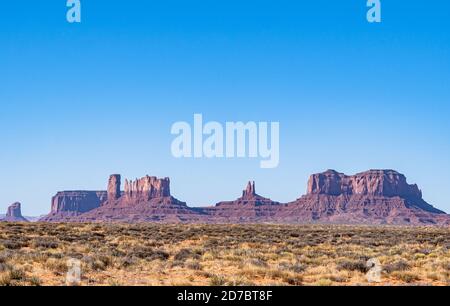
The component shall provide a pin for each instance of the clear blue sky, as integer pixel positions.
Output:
(81, 101)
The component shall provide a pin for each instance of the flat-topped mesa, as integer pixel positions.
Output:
(114, 183)
(77, 202)
(387, 183)
(250, 191)
(147, 188)
(14, 213)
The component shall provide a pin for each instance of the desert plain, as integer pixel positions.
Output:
(38, 254)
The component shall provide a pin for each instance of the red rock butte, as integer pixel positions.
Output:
(371, 197)
(14, 213)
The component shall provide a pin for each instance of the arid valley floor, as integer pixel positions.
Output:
(152, 254)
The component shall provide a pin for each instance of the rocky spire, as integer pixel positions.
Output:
(250, 191)
(114, 192)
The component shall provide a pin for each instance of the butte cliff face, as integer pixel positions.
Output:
(68, 204)
(14, 213)
(372, 197)
(146, 189)
(383, 183)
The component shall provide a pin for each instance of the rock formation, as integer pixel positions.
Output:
(147, 199)
(250, 191)
(251, 207)
(68, 204)
(14, 213)
(147, 188)
(386, 183)
(114, 192)
(372, 197)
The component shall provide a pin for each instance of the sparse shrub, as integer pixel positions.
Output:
(275, 274)
(45, 243)
(17, 274)
(56, 255)
(127, 261)
(35, 281)
(185, 254)
(397, 266)
(338, 279)
(296, 268)
(98, 263)
(293, 280)
(359, 266)
(194, 265)
(4, 267)
(159, 255)
(258, 262)
(12, 245)
(406, 277)
(149, 253)
(217, 280)
(177, 263)
(424, 251)
(117, 253)
(57, 266)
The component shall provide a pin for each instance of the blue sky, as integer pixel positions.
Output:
(81, 101)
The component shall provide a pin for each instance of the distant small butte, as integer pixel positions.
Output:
(374, 197)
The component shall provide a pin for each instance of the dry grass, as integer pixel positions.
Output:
(152, 254)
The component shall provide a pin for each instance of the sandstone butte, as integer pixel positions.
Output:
(14, 213)
(373, 197)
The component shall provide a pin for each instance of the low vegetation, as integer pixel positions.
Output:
(221, 255)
